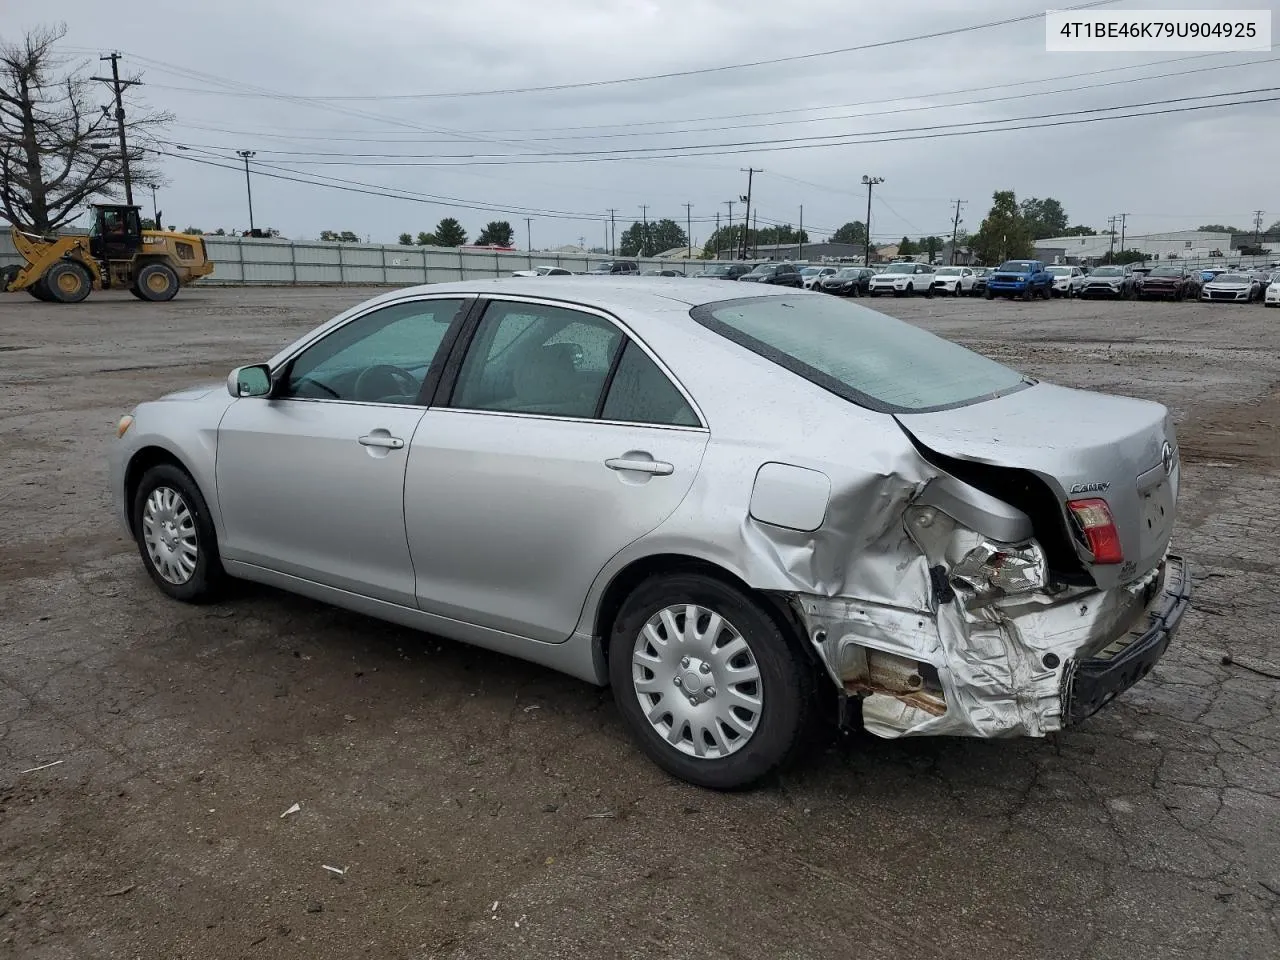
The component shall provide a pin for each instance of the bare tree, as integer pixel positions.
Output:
(49, 128)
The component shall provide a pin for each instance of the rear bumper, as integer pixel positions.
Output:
(1089, 685)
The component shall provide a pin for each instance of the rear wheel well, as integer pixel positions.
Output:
(631, 576)
(139, 464)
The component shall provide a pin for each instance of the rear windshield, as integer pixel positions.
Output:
(863, 356)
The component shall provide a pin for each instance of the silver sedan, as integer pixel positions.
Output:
(738, 507)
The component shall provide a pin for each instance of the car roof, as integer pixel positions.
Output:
(604, 293)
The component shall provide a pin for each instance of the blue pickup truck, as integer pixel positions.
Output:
(1020, 278)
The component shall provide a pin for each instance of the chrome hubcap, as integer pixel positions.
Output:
(697, 681)
(169, 532)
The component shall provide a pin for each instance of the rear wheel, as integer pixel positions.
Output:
(157, 282)
(706, 682)
(67, 282)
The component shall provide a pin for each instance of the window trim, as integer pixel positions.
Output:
(280, 371)
(443, 392)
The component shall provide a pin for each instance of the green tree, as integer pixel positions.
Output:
(645, 240)
(1079, 231)
(220, 232)
(425, 239)
(1044, 218)
(906, 248)
(193, 231)
(1218, 228)
(781, 235)
(1004, 235)
(726, 240)
(1124, 256)
(449, 233)
(855, 231)
(405, 239)
(930, 245)
(1274, 228)
(496, 233)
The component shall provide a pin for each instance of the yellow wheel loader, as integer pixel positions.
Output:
(117, 253)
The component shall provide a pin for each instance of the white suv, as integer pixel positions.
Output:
(954, 281)
(903, 279)
(1067, 281)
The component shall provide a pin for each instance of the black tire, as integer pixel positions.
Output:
(207, 579)
(67, 282)
(786, 682)
(1026, 292)
(40, 291)
(157, 282)
(959, 292)
(928, 293)
(133, 289)
(1048, 293)
(990, 295)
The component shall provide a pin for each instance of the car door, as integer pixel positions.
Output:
(560, 441)
(310, 479)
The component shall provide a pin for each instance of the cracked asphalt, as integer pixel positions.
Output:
(482, 807)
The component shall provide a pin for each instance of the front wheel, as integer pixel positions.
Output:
(175, 535)
(990, 295)
(1026, 293)
(157, 282)
(706, 682)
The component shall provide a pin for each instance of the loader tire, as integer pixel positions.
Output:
(157, 282)
(40, 291)
(136, 292)
(67, 282)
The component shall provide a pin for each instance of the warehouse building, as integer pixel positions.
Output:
(1190, 244)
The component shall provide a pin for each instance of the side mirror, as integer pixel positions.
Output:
(251, 381)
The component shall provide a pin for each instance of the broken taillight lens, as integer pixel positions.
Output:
(1095, 521)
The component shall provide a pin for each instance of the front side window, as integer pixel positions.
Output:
(531, 358)
(863, 356)
(381, 357)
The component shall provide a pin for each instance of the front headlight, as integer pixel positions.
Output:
(123, 425)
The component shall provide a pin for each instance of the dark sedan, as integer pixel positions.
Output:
(726, 271)
(1169, 283)
(848, 282)
(778, 274)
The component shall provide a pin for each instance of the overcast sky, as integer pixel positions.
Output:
(1167, 172)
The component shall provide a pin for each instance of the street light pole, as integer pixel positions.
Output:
(155, 208)
(528, 233)
(870, 182)
(245, 155)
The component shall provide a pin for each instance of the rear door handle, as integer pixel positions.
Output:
(658, 468)
(372, 440)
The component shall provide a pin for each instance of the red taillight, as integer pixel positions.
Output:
(1099, 529)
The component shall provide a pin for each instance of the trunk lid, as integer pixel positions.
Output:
(1082, 445)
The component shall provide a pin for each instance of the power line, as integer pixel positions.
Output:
(952, 129)
(700, 71)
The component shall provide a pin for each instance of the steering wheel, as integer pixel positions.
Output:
(370, 383)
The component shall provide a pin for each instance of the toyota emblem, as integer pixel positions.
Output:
(1166, 457)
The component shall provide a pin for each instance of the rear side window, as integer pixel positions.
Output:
(641, 393)
(863, 356)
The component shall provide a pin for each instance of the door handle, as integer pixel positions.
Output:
(658, 468)
(391, 443)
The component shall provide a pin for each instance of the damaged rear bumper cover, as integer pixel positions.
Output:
(1024, 668)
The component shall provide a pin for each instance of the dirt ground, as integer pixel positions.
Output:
(482, 807)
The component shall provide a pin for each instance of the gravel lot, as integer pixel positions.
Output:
(487, 808)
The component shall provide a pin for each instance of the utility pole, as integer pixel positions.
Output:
(750, 172)
(246, 154)
(1257, 227)
(528, 233)
(870, 182)
(118, 87)
(644, 236)
(155, 208)
(1111, 251)
(800, 236)
(730, 204)
(1123, 217)
(688, 226)
(755, 238)
(613, 233)
(955, 230)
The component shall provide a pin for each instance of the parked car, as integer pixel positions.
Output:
(956, 281)
(1211, 273)
(662, 273)
(726, 271)
(544, 272)
(1271, 297)
(1068, 281)
(1020, 278)
(777, 274)
(1140, 270)
(436, 458)
(1109, 281)
(614, 267)
(903, 279)
(812, 276)
(1232, 288)
(1169, 283)
(980, 277)
(849, 281)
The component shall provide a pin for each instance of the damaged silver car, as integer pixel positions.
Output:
(729, 505)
